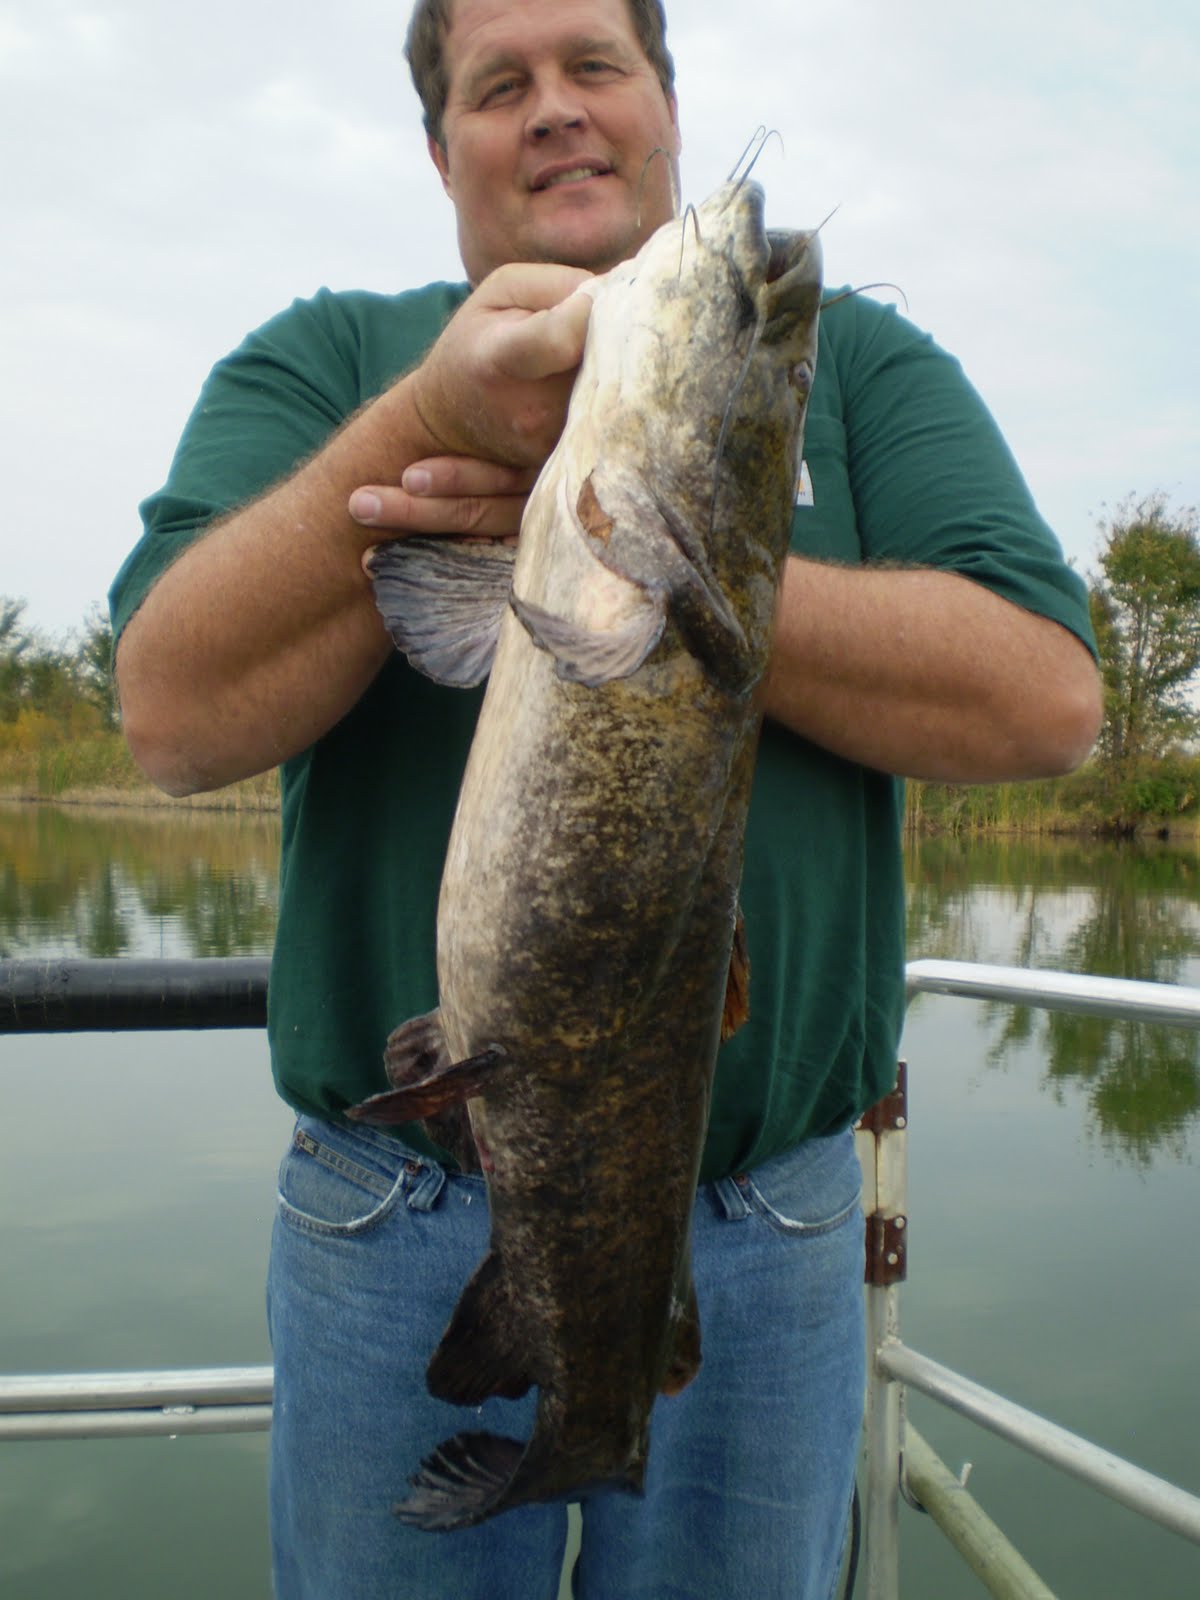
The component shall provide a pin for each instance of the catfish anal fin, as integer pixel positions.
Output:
(480, 1352)
(683, 1362)
(737, 986)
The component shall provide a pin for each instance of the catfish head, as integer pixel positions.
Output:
(679, 459)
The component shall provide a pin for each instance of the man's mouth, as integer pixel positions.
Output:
(571, 175)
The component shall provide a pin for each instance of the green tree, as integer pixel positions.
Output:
(14, 644)
(1146, 612)
(92, 661)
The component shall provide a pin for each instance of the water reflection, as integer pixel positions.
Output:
(114, 883)
(1128, 911)
(146, 883)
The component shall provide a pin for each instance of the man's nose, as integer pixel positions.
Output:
(556, 104)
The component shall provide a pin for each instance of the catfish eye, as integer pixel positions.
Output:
(801, 377)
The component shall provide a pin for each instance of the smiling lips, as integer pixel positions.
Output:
(575, 174)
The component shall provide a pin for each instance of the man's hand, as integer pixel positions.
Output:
(454, 495)
(496, 384)
(493, 392)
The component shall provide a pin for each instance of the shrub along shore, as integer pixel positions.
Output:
(1163, 801)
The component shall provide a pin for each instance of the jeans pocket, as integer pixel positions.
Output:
(331, 1182)
(808, 1191)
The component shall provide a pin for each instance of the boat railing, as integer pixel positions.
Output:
(49, 996)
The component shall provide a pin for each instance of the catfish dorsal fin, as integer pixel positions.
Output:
(442, 601)
(737, 987)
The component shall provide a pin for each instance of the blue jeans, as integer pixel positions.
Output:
(751, 1467)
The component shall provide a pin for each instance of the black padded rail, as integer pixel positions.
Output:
(79, 996)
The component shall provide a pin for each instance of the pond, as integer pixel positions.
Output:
(1054, 1189)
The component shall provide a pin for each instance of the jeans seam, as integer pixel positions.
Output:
(342, 1165)
(791, 1225)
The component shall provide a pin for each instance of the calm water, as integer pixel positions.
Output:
(1054, 1192)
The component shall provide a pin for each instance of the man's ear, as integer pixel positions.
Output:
(437, 154)
(673, 107)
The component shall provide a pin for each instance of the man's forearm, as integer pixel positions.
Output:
(928, 675)
(264, 633)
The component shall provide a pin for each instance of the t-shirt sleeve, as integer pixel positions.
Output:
(932, 481)
(263, 410)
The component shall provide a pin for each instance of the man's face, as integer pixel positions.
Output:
(551, 114)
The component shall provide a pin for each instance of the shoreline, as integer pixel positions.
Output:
(252, 797)
(259, 797)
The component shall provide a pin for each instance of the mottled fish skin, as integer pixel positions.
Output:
(589, 895)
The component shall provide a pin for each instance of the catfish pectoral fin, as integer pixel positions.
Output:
(593, 656)
(737, 986)
(442, 601)
(462, 1482)
(444, 1087)
(480, 1352)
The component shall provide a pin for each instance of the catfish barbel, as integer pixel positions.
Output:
(586, 953)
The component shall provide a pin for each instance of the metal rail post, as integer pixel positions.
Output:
(883, 1153)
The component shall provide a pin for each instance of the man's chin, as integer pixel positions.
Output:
(594, 249)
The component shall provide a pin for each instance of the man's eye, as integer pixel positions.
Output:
(589, 68)
(499, 89)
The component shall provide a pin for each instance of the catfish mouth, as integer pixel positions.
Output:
(785, 251)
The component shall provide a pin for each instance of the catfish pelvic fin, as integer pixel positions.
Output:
(594, 656)
(737, 987)
(424, 1079)
(443, 601)
(480, 1352)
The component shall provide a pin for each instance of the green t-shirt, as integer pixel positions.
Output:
(903, 464)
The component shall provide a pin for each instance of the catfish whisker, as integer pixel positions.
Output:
(862, 288)
(759, 137)
(695, 216)
(659, 150)
(773, 133)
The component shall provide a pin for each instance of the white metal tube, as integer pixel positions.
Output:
(1141, 1491)
(1058, 991)
(172, 1420)
(882, 1432)
(991, 1556)
(100, 1391)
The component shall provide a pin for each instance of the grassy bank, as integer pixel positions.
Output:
(93, 766)
(1163, 802)
(96, 768)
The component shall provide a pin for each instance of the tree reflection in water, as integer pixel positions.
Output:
(123, 882)
(1126, 910)
(193, 883)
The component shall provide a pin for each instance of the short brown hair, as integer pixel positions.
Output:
(430, 24)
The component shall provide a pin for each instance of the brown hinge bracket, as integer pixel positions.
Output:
(892, 1111)
(887, 1250)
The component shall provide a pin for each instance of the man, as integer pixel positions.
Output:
(927, 627)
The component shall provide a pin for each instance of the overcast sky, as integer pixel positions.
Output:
(171, 175)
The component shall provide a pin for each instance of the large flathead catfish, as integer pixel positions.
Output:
(589, 897)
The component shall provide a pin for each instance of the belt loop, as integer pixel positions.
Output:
(425, 1181)
(731, 1198)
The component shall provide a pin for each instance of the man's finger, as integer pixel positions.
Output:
(400, 513)
(544, 342)
(443, 476)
